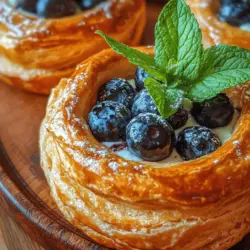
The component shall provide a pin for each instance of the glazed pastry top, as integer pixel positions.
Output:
(52, 41)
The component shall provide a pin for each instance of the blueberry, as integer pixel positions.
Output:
(179, 119)
(213, 113)
(234, 12)
(144, 103)
(197, 141)
(26, 5)
(108, 121)
(150, 137)
(56, 8)
(117, 90)
(88, 4)
(140, 76)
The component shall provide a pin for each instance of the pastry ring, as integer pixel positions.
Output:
(123, 204)
(214, 31)
(36, 53)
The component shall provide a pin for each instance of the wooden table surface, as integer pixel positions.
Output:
(12, 237)
(2, 242)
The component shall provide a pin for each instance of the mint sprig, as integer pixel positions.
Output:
(181, 68)
(168, 99)
(222, 67)
(178, 39)
(136, 57)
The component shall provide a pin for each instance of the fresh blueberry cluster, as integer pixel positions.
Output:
(55, 8)
(123, 114)
(235, 12)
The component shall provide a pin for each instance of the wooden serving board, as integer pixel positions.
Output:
(25, 193)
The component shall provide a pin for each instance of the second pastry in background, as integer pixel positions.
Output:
(41, 41)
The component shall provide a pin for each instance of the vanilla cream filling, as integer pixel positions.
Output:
(11, 69)
(224, 134)
(245, 26)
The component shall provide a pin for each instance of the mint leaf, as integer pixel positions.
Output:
(216, 56)
(222, 67)
(167, 100)
(136, 57)
(180, 61)
(178, 38)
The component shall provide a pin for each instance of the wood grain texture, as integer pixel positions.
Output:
(25, 191)
(3, 246)
(13, 234)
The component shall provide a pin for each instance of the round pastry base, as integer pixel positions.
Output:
(24, 190)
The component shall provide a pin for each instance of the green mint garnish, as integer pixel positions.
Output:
(178, 39)
(181, 69)
(168, 99)
(222, 67)
(136, 57)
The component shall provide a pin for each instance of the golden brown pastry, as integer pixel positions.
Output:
(215, 31)
(35, 53)
(123, 204)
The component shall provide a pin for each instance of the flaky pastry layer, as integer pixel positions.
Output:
(53, 47)
(122, 204)
(214, 31)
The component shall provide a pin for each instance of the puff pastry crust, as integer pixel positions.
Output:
(214, 31)
(36, 53)
(200, 204)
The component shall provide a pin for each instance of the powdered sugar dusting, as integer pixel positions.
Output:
(114, 166)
